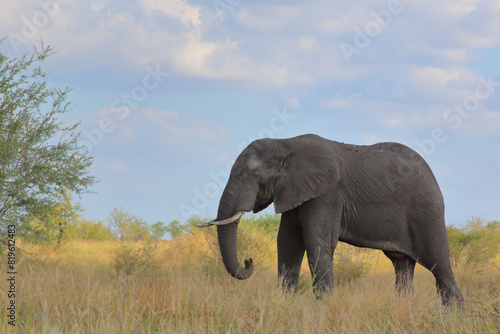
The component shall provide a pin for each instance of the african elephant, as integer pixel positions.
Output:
(382, 196)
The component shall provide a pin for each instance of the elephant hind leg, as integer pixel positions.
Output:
(447, 287)
(404, 267)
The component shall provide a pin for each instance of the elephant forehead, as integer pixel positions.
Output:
(253, 162)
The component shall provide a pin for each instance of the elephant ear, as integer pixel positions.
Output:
(310, 169)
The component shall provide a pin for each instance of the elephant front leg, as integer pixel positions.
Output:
(320, 258)
(291, 249)
(320, 221)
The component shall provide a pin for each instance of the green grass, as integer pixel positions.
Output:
(78, 289)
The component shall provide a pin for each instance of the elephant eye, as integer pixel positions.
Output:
(255, 176)
(267, 164)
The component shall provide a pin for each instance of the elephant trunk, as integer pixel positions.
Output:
(227, 243)
(226, 235)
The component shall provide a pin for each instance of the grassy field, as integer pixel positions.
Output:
(180, 286)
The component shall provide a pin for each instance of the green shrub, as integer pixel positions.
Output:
(175, 228)
(89, 230)
(476, 243)
(158, 230)
(265, 223)
(251, 242)
(128, 227)
(257, 239)
(351, 263)
(128, 260)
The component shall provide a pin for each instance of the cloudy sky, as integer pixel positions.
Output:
(170, 91)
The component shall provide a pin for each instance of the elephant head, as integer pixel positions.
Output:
(287, 172)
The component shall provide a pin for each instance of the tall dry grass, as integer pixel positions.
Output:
(79, 289)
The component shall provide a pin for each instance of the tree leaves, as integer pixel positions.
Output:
(39, 154)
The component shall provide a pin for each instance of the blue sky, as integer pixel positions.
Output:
(170, 91)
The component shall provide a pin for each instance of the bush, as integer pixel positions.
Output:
(350, 263)
(128, 227)
(257, 239)
(128, 260)
(252, 242)
(89, 230)
(476, 243)
(175, 228)
(266, 223)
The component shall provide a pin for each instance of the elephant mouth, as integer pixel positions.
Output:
(261, 206)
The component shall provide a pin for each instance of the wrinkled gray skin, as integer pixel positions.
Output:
(382, 196)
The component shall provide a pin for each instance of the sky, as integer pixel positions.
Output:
(168, 92)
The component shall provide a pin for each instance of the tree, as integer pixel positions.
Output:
(128, 227)
(475, 243)
(89, 230)
(175, 228)
(158, 230)
(55, 225)
(40, 156)
(64, 214)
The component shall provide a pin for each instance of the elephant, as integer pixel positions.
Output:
(383, 196)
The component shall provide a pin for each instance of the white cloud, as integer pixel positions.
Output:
(436, 84)
(307, 43)
(426, 60)
(147, 121)
(465, 23)
(162, 130)
(481, 122)
(394, 122)
(117, 166)
(422, 118)
(191, 58)
(115, 125)
(267, 18)
(291, 102)
(11, 16)
(458, 8)
(97, 6)
(174, 9)
(160, 116)
(342, 102)
(344, 21)
(179, 127)
(262, 46)
(434, 76)
(167, 132)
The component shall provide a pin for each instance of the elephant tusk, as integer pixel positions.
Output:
(229, 220)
